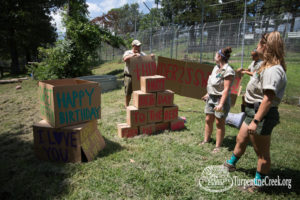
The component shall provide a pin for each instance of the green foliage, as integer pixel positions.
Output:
(71, 57)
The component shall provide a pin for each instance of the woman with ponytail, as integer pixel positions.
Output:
(218, 97)
(264, 93)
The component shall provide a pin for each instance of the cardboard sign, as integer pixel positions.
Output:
(165, 98)
(189, 79)
(136, 117)
(143, 100)
(148, 129)
(65, 144)
(141, 66)
(170, 113)
(153, 83)
(177, 124)
(67, 102)
(155, 114)
(124, 130)
(162, 126)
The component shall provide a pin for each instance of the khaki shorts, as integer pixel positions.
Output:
(212, 102)
(127, 85)
(266, 125)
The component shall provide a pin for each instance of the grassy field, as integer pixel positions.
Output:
(162, 166)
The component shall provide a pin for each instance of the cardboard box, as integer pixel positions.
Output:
(162, 126)
(148, 129)
(153, 83)
(136, 117)
(177, 124)
(66, 144)
(155, 114)
(170, 113)
(124, 130)
(144, 100)
(165, 98)
(67, 102)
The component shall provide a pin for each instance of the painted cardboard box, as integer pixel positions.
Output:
(165, 98)
(170, 113)
(66, 102)
(81, 142)
(161, 126)
(177, 124)
(154, 83)
(147, 129)
(143, 100)
(136, 117)
(125, 131)
(155, 114)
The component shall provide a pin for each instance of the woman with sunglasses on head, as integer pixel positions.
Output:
(263, 95)
(218, 97)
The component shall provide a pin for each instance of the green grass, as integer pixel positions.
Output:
(167, 165)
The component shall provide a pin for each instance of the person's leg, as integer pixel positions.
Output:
(220, 133)
(209, 120)
(261, 145)
(127, 100)
(242, 140)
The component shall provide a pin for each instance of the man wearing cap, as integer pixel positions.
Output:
(134, 52)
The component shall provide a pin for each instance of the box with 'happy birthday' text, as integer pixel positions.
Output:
(67, 102)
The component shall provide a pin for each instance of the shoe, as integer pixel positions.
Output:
(231, 168)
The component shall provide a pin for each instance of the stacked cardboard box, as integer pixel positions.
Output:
(153, 109)
(68, 132)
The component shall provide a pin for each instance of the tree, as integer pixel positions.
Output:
(71, 57)
(25, 25)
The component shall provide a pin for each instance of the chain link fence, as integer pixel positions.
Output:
(199, 43)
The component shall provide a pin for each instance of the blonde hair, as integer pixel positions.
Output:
(273, 53)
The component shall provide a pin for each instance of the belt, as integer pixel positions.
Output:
(127, 75)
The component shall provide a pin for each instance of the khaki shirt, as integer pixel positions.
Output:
(255, 65)
(215, 83)
(127, 53)
(272, 78)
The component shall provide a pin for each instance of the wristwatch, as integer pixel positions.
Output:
(255, 121)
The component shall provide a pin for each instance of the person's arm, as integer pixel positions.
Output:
(262, 110)
(227, 82)
(127, 58)
(205, 97)
(247, 72)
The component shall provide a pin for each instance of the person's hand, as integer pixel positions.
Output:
(136, 55)
(152, 55)
(219, 108)
(205, 97)
(239, 70)
(244, 72)
(252, 128)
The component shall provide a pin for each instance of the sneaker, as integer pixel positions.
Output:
(231, 168)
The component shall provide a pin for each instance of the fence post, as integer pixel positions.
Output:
(172, 41)
(176, 34)
(201, 42)
(244, 32)
(239, 31)
(219, 33)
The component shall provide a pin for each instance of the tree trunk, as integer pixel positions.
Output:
(15, 68)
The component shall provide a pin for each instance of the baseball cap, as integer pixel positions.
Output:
(136, 43)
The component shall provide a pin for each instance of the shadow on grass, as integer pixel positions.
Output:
(110, 148)
(23, 176)
(290, 176)
(115, 72)
(190, 111)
